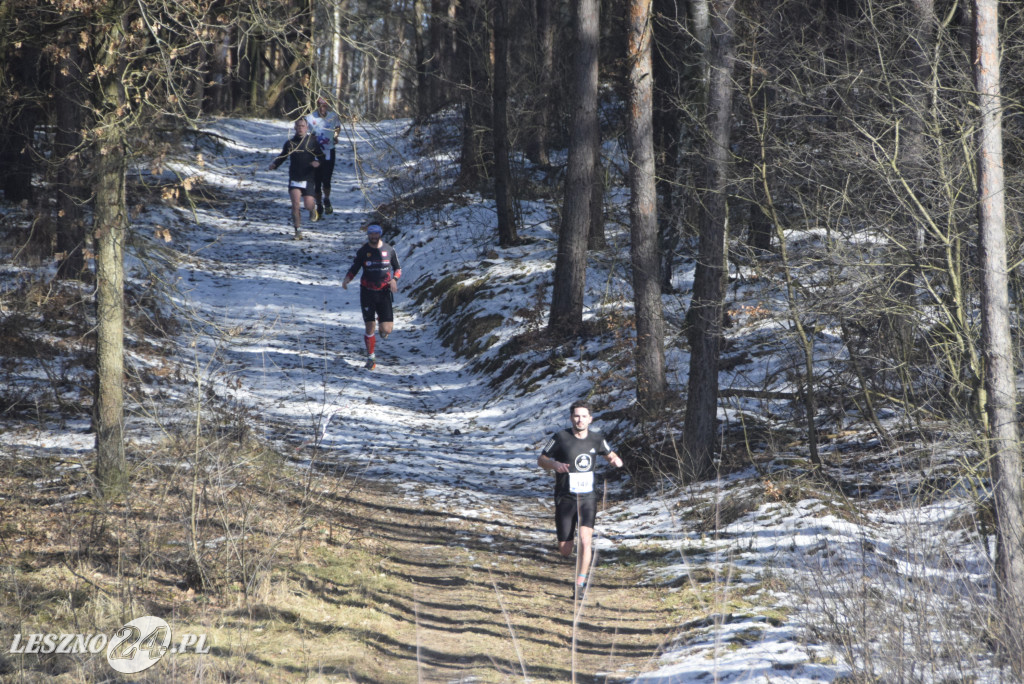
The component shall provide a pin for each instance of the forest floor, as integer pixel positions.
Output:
(316, 521)
(377, 586)
(407, 534)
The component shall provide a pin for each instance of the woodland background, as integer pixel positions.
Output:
(846, 142)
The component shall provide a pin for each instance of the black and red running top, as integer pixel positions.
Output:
(380, 265)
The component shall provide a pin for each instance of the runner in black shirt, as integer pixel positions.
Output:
(303, 154)
(381, 271)
(570, 454)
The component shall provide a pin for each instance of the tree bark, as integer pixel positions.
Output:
(537, 141)
(1004, 442)
(643, 215)
(110, 222)
(442, 52)
(700, 427)
(595, 236)
(566, 316)
(507, 235)
(669, 25)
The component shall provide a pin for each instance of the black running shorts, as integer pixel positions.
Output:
(376, 305)
(323, 175)
(303, 184)
(566, 509)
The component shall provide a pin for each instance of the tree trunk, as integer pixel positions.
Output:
(537, 140)
(322, 34)
(397, 64)
(595, 236)
(420, 46)
(680, 71)
(110, 226)
(1004, 441)
(566, 315)
(643, 215)
(338, 51)
(442, 51)
(914, 164)
(110, 222)
(706, 306)
(475, 163)
(507, 235)
(916, 169)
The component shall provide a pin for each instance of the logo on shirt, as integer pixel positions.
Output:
(383, 255)
(583, 463)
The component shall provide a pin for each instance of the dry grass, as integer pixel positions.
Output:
(315, 579)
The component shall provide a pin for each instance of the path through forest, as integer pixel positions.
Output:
(445, 497)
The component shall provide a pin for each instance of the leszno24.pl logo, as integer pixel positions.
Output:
(137, 646)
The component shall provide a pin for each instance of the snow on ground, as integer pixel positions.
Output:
(274, 333)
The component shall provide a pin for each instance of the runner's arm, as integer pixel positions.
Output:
(357, 264)
(396, 268)
(281, 157)
(545, 462)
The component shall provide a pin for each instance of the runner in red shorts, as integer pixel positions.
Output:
(381, 271)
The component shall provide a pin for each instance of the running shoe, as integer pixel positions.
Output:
(371, 362)
(328, 209)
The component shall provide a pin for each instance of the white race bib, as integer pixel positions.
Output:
(297, 184)
(581, 483)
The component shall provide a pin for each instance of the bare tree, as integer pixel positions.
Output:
(643, 214)
(1001, 390)
(706, 305)
(566, 314)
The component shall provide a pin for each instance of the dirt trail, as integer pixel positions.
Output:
(470, 599)
(439, 565)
